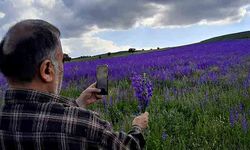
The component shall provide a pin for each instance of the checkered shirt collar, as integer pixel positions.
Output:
(31, 96)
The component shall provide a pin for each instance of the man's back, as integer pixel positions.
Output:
(35, 120)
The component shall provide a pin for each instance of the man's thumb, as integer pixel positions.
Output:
(146, 114)
(91, 90)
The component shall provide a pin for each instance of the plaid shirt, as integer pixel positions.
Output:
(34, 120)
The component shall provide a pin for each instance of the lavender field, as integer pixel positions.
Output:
(198, 96)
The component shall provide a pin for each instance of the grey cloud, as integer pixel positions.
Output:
(193, 11)
(11, 15)
(112, 14)
(121, 14)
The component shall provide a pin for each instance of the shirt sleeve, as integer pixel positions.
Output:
(110, 139)
(72, 102)
(133, 140)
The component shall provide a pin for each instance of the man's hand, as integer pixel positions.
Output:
(141, 121)
(89, 96)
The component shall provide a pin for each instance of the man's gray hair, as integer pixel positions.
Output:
(25, 46)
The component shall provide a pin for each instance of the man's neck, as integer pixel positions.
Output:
(31, 85)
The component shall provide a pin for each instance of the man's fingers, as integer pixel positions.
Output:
(146, 114)
(93, 85)
(98, 96)
(93, 90)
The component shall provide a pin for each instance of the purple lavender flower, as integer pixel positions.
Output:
(105, 104)
(238, 114)
(232, 117)
(164, 136)
(167, 94)
(241, 107)
(246, 87)
(143, 90)
(244, 123)
(110, 101)
(212, 76)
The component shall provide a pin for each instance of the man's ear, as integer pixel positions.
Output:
(47, 71)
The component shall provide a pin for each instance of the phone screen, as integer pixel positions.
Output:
(102, 79)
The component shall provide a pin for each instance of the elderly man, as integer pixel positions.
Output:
(34, 116)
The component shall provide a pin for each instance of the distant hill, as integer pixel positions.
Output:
(106, 55)
(234, 36)
(239, 35)
(114, 54)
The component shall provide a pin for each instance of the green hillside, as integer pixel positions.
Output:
(239, 35)
(114, 54)
(106, 55)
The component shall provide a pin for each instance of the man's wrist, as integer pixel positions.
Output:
(137, 128)
(74, 103)
(137, 132)
(80, 103)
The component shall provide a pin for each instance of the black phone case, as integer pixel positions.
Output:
(103, 91)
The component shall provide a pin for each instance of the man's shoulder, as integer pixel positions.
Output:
(73, 111)
(50, 117)
(79, 119)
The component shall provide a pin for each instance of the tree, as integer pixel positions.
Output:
(131, 50)
(66, 57)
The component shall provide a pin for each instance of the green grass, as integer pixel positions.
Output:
(102, 56)
(115, 54)
(240, 35)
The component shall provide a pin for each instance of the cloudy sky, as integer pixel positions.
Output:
(91, 27)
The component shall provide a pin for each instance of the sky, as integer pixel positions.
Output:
(91, 27)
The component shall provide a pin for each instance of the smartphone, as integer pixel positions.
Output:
(102, 79)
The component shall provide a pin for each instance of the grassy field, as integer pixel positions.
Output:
(114, 54)
(240, 35)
